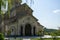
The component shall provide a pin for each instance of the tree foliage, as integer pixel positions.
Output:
(55, 33)
(1, 37)
(0, 3)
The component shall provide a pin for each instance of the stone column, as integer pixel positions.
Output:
(6, 30)
(23, 30)
(32, 31)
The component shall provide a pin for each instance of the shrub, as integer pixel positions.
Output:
(1, 36)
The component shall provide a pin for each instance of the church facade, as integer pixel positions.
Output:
(21, 21)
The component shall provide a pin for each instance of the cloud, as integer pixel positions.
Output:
(56, 11)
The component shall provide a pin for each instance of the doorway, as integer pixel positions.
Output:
(27, 30)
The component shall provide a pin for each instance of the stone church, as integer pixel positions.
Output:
(21, 21)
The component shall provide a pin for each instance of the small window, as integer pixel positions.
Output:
(12, 30)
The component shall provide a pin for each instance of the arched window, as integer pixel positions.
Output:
(13, 30)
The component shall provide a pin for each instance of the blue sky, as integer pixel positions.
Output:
(47, 12)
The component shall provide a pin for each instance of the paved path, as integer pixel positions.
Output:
(26, 38)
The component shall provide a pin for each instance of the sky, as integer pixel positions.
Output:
(46, 11)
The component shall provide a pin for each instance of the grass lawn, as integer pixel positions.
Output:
(35, 39)
(45, 39)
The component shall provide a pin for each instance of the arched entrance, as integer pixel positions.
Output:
(27, 30)
(34, 31)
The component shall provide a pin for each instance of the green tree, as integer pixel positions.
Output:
(58, 32)
(2, 3)
(54, 34)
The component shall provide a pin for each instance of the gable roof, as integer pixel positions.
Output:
(21, 11)
(23, 6)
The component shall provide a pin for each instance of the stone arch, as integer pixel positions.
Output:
(28, 30)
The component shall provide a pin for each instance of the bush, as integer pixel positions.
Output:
(1, 36)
